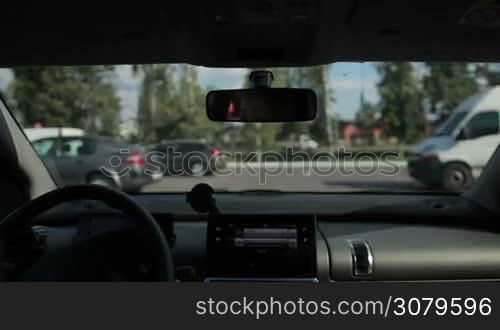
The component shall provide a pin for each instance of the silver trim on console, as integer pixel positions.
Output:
(355, 262)
(255, 279)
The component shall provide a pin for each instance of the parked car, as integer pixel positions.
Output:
(303, 143)
(455, 155)
(188, 157)
(95, 160)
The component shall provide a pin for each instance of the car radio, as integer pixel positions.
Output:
(261, 247)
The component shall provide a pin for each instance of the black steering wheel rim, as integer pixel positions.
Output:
(163, 268)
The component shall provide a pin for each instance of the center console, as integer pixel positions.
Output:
(261, 248)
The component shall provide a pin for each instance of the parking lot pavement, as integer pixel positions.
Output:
(297, 179)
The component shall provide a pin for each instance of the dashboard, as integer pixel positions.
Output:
(418, 238)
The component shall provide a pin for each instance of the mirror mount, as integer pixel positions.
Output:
(261, 79)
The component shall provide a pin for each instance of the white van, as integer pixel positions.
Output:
(456, 154)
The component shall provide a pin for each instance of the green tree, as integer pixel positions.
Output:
(447, 85)
(188, 105)
(82, 97)
(400, 96)
(154, 99)
(490, 72)
(320, 128)
(170, 103)
(291, 130)
(316, 78)
(367, 117)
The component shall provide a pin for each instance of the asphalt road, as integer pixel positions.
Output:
(294, 178)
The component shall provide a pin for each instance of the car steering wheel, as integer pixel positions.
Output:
(162, 263)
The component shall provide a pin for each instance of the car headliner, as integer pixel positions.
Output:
(250, 33)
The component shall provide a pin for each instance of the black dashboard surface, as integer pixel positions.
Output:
(292, 203)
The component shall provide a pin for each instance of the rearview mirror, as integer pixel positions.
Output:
(261, 105)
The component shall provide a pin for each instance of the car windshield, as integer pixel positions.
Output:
(144, 128)
(451, 124)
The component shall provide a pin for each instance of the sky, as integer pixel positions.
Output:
(347, 80)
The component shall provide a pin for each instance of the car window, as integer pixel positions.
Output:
(109, 146)
(482, 124)
(164, 147)
(187, 147)
(75, 147)
(45, 147)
